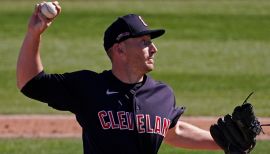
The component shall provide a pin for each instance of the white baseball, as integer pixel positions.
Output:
(48, 9)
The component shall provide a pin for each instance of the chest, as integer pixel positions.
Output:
(115, 111)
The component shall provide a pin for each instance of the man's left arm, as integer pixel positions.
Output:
(188, 136)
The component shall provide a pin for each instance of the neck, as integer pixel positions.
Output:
(127, 76)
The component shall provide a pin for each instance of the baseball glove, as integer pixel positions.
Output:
(236, 133)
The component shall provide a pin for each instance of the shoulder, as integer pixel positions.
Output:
(81, 73)
(156, 88)
(152, 83)
(85, 75)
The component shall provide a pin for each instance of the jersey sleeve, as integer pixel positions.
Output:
(59, 91)
(175, 114)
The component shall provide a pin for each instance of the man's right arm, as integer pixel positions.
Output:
(29, 62)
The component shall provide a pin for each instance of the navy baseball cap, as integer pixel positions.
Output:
(128, 26)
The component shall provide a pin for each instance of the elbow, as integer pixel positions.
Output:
(173, 136)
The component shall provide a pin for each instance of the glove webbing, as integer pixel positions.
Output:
(255, 126)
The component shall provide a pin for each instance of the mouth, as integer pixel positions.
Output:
(151, 60)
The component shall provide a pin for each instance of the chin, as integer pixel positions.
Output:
(150, 68)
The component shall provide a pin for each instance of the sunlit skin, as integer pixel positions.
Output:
(135, 57)
(140, 54)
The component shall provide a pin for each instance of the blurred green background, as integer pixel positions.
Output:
(214, 52)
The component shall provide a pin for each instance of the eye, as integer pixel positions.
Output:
(147, 43)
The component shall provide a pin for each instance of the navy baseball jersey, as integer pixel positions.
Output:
(115, 117)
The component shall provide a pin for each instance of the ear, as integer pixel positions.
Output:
(119, 48)
(120, 52)
(115, 50)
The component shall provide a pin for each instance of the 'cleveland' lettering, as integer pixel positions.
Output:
(125, 121)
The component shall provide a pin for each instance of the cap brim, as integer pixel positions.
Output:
(153, 33)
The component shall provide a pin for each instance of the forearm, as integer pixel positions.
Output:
(29, 61)
(189, 136)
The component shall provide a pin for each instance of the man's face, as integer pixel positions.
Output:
(140, 52)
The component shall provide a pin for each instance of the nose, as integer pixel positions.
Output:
(153, 48)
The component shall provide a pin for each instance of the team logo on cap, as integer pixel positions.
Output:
(143, 21)
(122, 35)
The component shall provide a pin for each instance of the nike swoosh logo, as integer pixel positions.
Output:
(108, 92)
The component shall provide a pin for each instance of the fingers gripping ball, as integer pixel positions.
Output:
(48, 9)
(236, 133)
